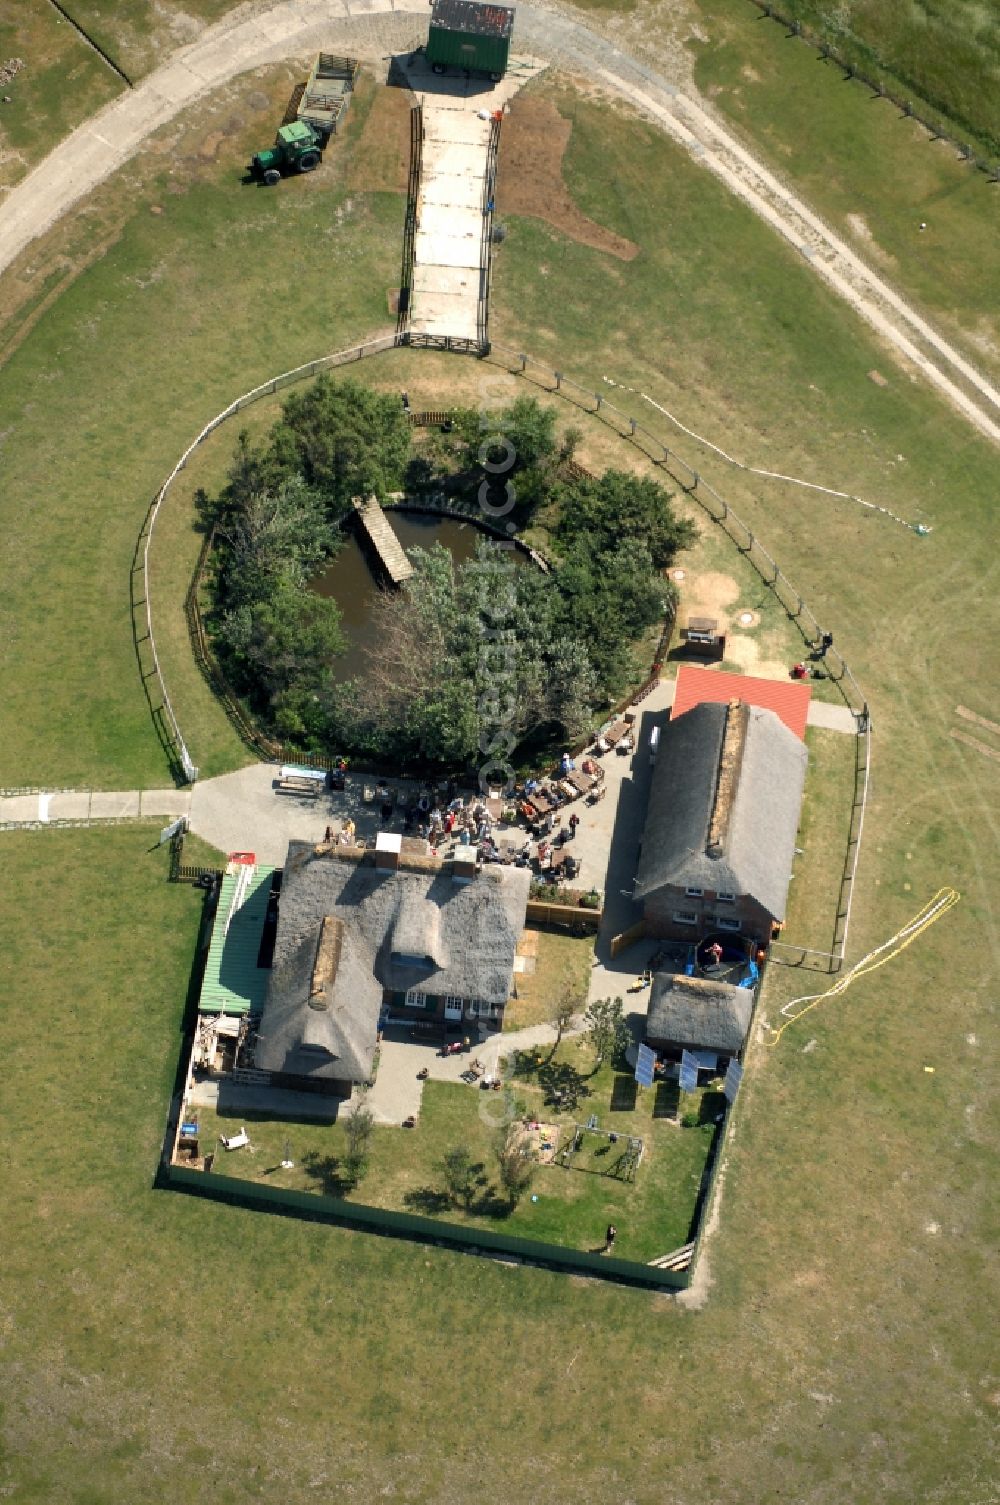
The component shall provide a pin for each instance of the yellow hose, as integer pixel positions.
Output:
(943, 900)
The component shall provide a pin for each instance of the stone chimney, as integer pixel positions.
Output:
(463, 865)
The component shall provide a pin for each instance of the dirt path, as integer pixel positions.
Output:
(260, 33)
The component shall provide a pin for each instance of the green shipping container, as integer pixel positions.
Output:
(467, 35)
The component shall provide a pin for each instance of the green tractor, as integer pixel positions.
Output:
(297, 148)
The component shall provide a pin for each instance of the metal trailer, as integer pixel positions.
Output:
(327, 93)
(471, 36)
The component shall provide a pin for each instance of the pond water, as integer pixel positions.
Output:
(349, 581)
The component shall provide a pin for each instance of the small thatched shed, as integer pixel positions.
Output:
(695, 1013)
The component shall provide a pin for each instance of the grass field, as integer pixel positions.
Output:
(62, 83)
(209, 274)
(947, 54)
(156, 1346)
(944, 54)
(842, 147)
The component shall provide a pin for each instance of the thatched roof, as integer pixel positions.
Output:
(416, 925)
(724, 805)
(697, 1013)
(321, 1015)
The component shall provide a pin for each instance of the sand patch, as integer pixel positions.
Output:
(746, 652)
(709, 595)
(530, 176)
(528, 944)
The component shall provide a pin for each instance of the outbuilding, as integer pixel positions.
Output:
(699, 1015)
(470, 36)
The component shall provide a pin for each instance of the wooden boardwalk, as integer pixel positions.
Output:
(387, 546)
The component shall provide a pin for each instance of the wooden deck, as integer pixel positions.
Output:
(387, 546)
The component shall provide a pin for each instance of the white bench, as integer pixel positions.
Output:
(235, 1141)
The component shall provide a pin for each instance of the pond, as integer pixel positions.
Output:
(349, 581)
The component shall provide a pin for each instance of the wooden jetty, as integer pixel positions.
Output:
(387, 546)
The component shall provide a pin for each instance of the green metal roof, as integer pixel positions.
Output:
(298, 130)
(233, 982)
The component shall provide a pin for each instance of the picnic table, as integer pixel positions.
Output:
(580, 783)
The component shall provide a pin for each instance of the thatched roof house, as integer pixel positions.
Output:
(355, 933)
(724, 811)
(695, 1013)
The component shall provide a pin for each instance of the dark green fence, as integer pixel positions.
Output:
(422, 1230)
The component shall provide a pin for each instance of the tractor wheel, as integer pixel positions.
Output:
(272, 177)
(308, 161)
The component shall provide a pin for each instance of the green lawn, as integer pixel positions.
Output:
(946, 54)
(574, 1205)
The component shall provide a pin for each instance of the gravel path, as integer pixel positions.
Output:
(259, 33)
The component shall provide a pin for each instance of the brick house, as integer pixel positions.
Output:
(719, 839)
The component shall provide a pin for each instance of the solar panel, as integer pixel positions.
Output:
(645, 1066)
(734, 1075)
(689, 1072)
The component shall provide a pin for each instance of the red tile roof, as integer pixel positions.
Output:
(788, 699)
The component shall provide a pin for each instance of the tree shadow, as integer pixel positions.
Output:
(433, 1202)
(562, 1084)
(430, 1200)
(328, 1171)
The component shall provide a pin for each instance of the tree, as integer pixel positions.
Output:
(280, 651)
(516, 1162)
(344, 439)
(607, 1031)
(609, 509)
(562, 1009)
(459, 1175)
(359, 1125)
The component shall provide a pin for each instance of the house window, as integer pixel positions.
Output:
(684, 917)
(726, 922)
(415, 1000)
(726, 898)
(694, 893)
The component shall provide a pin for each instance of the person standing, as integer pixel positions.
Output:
(574, 821)
(609, 1238)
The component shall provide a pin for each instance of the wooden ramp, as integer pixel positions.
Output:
(387, 546)
(679, 1259)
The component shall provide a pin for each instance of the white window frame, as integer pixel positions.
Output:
(684, 917)
(694, 893)
(414, 999)
(727, 922)
(725, 898)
